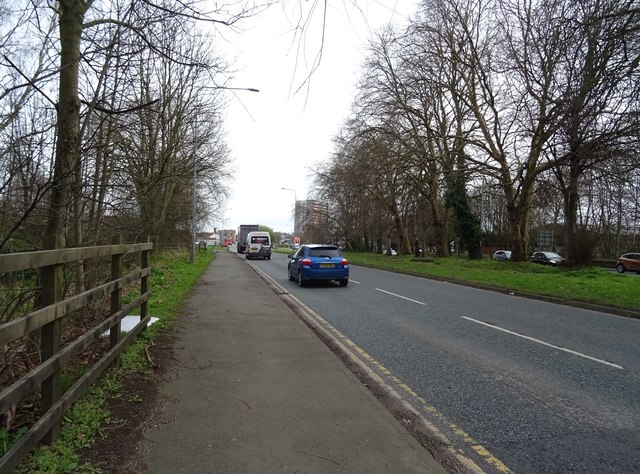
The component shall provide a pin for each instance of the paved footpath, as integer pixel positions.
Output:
(256, 391)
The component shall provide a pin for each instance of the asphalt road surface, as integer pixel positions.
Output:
(519, 385)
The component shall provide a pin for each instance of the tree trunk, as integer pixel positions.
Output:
(67, 156)
(439, 228)
(404, 244)
(77, 225)
(570, 225)
(519, 214)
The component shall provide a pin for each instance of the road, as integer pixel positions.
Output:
(519, 385)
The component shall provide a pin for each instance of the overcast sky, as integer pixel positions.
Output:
(277, 135)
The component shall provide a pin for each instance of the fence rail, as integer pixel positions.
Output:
(48, 320)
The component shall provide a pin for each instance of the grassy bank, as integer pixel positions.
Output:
(591, 284)
(172, 277)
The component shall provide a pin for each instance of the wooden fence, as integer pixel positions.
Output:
(48, 320)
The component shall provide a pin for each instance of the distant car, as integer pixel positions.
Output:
(547, 258)
(502, 255)
(314, 262)
(628, 262)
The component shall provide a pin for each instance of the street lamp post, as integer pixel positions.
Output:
(192, 246)
(295, 204)
(192, 254)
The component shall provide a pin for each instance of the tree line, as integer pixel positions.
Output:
(110, 119)
(480, 122)
(488, 122)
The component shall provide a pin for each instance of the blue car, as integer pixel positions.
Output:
(314, 262)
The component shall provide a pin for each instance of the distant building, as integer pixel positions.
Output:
(310, 220)
(226, 236)
(211, 238)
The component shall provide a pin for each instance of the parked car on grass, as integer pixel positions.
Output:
(313, 262)
(502, 255)
(547, 258)
(628, 262)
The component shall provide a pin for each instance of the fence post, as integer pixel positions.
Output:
(116, 295)
(50, 342)
(144, 282)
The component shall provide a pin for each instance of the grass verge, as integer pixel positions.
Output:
(593, 285)
(172, 277)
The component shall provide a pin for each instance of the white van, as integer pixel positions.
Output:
(258, 245)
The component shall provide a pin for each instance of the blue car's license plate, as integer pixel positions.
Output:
(327, 265)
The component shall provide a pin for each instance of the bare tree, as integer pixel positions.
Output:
(599, 125)
(73, 22)
(523, 87)
(25, 122)
(511, 55)
(349, 183)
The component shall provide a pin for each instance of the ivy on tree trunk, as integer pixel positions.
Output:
(466, 223)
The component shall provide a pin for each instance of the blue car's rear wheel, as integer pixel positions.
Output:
(344, 282)
(301, 282)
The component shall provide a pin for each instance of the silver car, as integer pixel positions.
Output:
(502, 255)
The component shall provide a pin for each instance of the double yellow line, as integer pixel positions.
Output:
(361, 358)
